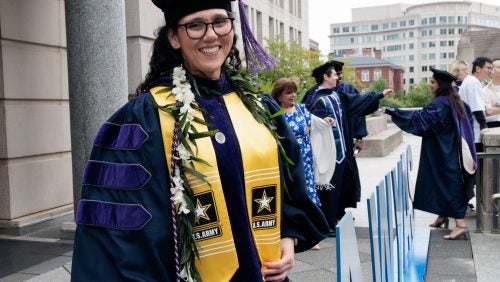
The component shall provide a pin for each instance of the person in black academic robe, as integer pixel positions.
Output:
(445, 174)
(341, 107)
(134, 223)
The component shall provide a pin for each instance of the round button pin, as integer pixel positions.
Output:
(220, 137)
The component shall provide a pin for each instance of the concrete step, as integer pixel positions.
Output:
(382, 143)
(376, 124)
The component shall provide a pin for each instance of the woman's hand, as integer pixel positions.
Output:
(277, 271)
(329, 120)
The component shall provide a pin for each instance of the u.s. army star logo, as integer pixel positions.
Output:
(264, 202)
(201, 211)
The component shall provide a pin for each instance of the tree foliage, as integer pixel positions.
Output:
(294, 62)
(418, 95)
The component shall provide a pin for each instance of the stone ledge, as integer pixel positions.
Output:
(37, 221)
(381, 144)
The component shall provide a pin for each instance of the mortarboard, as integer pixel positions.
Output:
(322, 69)
(337, 65)
(175, 10)
(443, 75)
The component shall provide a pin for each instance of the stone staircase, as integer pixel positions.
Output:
(382, 137)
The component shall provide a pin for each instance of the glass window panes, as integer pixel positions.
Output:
(442, 20)
(365, 75)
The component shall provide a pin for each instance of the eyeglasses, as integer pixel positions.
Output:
(196, 30)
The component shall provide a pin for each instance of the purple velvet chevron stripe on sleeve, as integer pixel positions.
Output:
(115, 175)
(120, 136)
(112, 215)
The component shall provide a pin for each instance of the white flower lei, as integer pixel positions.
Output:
(185, 96)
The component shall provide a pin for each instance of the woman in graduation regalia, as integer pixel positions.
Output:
(448, 157)
(194, 179)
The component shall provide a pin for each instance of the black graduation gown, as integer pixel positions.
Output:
(144, 251)
(440, 186)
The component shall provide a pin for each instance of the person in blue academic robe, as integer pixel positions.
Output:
(448, 158)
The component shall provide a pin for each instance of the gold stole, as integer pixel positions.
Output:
(218, 260)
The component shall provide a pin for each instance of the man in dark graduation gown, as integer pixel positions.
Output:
(124, 219)
(347, 191)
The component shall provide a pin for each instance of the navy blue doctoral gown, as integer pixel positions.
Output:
(441, 187)
(138, 246)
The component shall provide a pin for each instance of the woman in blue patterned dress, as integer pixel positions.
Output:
(299, 119)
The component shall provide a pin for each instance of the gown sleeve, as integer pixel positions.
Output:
(302, 219)
(422, 122)
(124, 218)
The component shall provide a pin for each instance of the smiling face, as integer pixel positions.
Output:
(205, 56)
(287, 98)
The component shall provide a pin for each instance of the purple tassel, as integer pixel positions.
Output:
(258, 60)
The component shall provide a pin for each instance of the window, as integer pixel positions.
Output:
(432, 56)
(432, 44)
(424, 68)
(424, 32)
(424, 44)
(442, 20)
(451, 31)
(451, 55)
(424, 56)
(411, 69)
(411, 46)
(443, 31)
(364, 28)
(412, 81)
(402, 23)
(442, 55)
(377, 73)
(411, 34)
(442, 43)
(394, 25)
(345, 29)
(451, 19)
(365, 75)
(424, 21)
(411, 57)
(462, 19)
(461, 30)
(374, 27)
(385, 26)
(431, 32)
(411, 22)
(354, 28)
(336, 30)
(451, 43)
(432, 20)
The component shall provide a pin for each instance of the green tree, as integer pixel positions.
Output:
(418, 95)
(378, 85)
(294, 62)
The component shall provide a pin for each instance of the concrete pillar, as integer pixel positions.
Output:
(491, 179)
(97, 72)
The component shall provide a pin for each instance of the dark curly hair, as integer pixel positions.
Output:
(165, 58)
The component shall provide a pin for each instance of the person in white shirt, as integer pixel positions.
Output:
(491, 95)
(471, 93)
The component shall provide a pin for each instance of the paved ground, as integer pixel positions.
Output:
(43, 257)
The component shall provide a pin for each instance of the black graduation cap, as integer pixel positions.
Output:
(443, 75)
(337, 65)
(174, 10)
(322, 69)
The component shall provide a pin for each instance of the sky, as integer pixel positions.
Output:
(322, 13)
